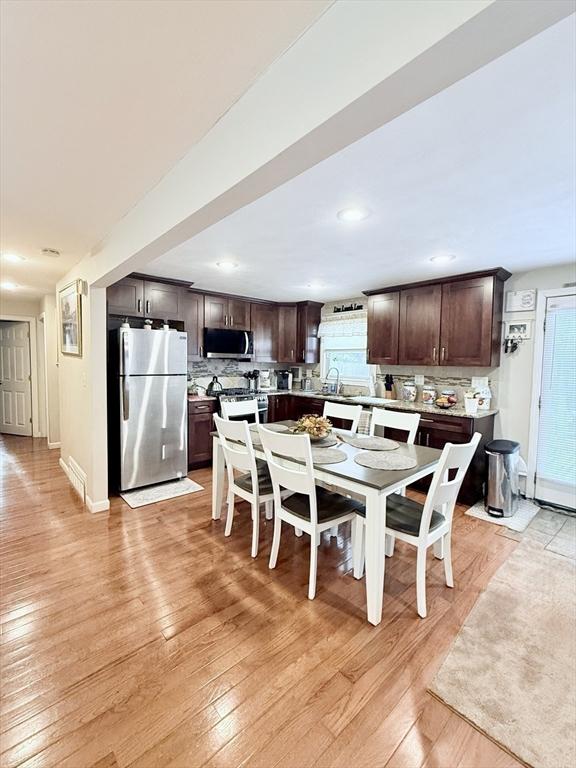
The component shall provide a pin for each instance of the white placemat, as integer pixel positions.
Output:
(384, 460)
(370, 443)
(155, 493)
(524, 515)
(327, 455)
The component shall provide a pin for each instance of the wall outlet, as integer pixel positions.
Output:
(479, 382)
(419, 380)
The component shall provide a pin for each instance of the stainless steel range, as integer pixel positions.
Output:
(236, 394)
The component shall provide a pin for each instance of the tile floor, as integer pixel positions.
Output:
(555, 531)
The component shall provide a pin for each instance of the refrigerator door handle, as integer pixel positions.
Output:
(125, 399)
(125, 353)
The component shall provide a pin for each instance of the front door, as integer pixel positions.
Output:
(15, 383)
(556, 452)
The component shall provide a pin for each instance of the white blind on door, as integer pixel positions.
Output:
(556, 459)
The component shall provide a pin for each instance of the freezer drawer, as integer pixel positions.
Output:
(153, 430)
(152, 353)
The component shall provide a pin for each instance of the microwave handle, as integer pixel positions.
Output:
(247, 342)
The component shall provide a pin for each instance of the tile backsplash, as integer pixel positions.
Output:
(230, 372)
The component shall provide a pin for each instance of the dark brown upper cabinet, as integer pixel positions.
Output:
(470, 320)
(287, 333)
(162, 300)
(383, 319)
(225, 312)
(136, 297)
(126, 297)
(454, 321)
(419, 328)
(265, 332)
(192, 314)
(308, 347)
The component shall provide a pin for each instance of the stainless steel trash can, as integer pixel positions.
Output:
(503, 493)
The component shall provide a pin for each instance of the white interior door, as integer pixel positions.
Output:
(556, 450)
(15, 382)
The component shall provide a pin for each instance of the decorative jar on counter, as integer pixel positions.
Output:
(428, 394)
(409, 391)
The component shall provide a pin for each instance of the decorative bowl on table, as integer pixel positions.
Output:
(317, 427)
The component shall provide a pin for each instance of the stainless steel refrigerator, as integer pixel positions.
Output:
(153, 406)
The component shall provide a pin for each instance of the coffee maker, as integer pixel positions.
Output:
(284, 380)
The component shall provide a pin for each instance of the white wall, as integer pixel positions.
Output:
(48, 307)
(515, 372)
(12, 305)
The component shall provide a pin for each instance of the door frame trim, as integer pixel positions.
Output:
(36, 432)
(542, 297)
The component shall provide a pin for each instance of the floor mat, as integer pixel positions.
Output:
(155, 493)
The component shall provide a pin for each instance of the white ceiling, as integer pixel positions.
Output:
(100, 98)
(485, 171)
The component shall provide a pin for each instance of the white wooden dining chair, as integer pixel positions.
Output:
(424, 525)
(308, 508)
(233, 408)
(253, 484)
(405, 422)
(343, 411)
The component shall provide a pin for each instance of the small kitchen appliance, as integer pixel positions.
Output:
(306, 384)
(265, 380)
(284, 379)
(228, 343)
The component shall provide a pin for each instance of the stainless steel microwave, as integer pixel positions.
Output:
(225, 342)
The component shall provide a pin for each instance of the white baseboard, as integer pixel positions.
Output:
(97, 506)
(64, 467)
(53, 445)
(93, 506)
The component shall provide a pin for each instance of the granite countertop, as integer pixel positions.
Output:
(381, 402)
(195, 398)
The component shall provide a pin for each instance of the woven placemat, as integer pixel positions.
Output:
(380, 460)
(271, 427)
(370, 443)
(327, 455)
(326, 442)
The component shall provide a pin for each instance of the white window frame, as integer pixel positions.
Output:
(352, 343)
(537, 362)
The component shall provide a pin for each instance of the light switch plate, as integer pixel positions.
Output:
(418, 380)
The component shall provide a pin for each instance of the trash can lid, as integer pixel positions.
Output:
(502, 446)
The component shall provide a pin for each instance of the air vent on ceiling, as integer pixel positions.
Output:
(50, 252)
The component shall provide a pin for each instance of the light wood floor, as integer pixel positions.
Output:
(145, 638)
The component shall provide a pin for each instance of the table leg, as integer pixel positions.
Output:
(375, 559)
(217, 478)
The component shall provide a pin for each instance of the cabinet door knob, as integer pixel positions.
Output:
(231, 319)
(139, 305)
(434, 355)
(225, 319)
(147, 307)
(368, 354)
(443, 354)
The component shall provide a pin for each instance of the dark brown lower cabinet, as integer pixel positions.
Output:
(200, 425)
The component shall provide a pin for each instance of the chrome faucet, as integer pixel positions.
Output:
(332, 388)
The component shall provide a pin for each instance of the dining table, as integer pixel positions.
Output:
(372, 486)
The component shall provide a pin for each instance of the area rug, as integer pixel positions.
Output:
(524, 515)
(161, 492)
(511, 671)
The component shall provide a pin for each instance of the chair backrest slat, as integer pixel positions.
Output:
(407, 422)
(343, 411)
(237, 445)
(280, 448)
(455, 459)
(234, 408)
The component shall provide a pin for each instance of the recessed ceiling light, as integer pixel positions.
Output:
(353, 214)
(444, 259)
(8, 286)
(226, 266)
(50, 252)
(13, 257)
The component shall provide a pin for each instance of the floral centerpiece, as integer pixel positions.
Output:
(315, 426)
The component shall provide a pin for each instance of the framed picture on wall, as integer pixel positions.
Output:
(70, 303)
